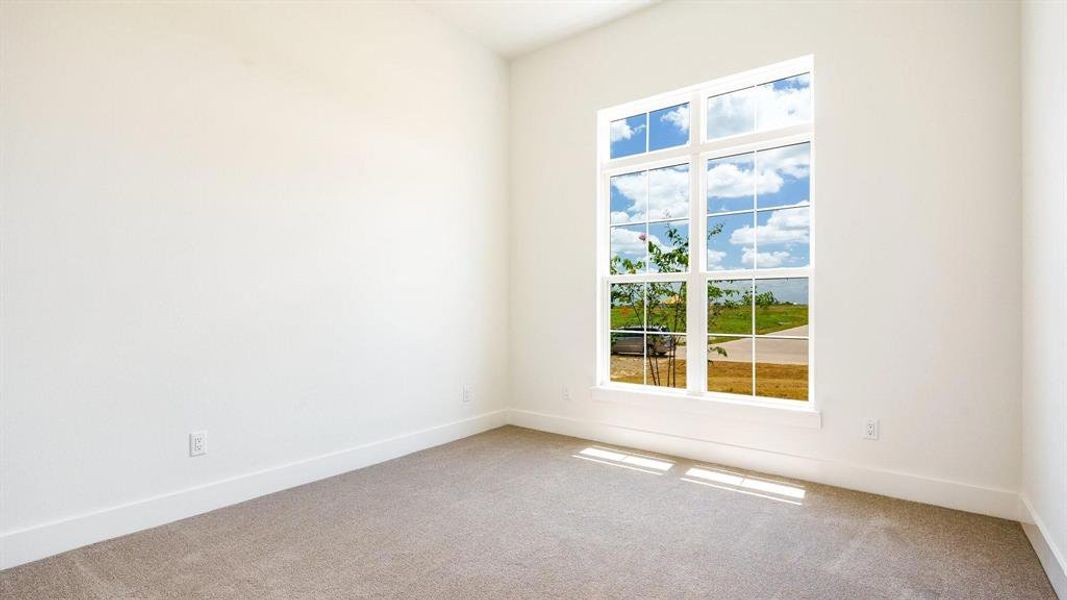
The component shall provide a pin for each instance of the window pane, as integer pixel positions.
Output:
(730, 306)
(731, 183)
(730, 365)
(668, 247)
(629, 198)
(668, 127)
(730, 242)
(784, 176)
(667, 307)
(784, 102)
(628, 357)
(782, 368)
(628, 249)
(627, 306)
(666, 360)
(731, 114)
(782, 238)
(782, 306)
(668, 193)
(628, 135)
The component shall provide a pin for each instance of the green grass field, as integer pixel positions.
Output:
(769, 319)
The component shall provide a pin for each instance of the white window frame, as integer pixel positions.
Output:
(696, 153)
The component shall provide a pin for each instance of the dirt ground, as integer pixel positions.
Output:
(788, 381)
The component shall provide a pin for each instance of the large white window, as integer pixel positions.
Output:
(705, 237)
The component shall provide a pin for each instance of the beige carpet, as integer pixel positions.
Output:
(513, 513)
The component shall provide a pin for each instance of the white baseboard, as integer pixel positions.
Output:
(39, 541)
(1052, 557)
(939, 492)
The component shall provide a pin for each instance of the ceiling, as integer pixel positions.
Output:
(514, 27)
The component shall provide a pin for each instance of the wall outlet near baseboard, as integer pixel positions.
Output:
(468, 393)
(870, 429)
(198, 443)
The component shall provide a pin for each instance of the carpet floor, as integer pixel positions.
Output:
(514, 513)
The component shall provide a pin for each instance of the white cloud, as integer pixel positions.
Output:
(628, 243)
(783, 227)
(733, 177)
(730, 179)
(621, 130)
(794, 161)
(678, 117)
(631, 243)
(715, 259)
(785, 106)
(730, 114)
(767, 260)
(633, 187)
(667, 192)
(737, 112)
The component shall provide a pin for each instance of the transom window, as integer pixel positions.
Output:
(705, 229)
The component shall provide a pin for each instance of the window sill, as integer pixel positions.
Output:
(770, 412)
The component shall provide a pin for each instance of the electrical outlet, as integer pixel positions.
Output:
(870, 429)
(468, 393)
(565, 394)
(198, 443)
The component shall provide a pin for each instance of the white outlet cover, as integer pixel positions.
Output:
(198, 443)
(870, 429)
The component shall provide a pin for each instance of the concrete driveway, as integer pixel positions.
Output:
(777, 351)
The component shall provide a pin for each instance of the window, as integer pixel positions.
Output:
(706, 204)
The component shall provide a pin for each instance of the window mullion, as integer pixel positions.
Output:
(696, 294)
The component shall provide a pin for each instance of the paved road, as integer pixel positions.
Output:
(782, 352)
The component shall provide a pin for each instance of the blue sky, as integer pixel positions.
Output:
(784, 176)
(643, 196)
(663, 128)
(668, 127)
(652, 195)
(728, 247)
(731, 183)
(768, 178)
(782, 237)
(777, 177)
(767, 106)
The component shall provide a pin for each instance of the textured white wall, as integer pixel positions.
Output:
(284, 223)
(1044, 68)
(917, 229)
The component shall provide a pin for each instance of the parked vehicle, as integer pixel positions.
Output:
(625, 342)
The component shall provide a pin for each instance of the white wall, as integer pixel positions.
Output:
(1044, 127)
(917, 237)
(284, 224)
